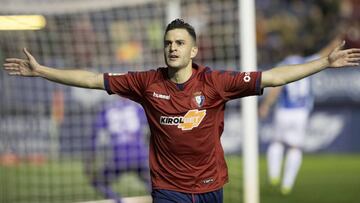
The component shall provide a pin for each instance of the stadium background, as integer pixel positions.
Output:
(44, 126)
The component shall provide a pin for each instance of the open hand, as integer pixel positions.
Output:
(22, 67)
(343, 58)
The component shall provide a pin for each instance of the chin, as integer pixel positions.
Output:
(174, 65)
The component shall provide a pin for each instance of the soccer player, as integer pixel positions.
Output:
(292, 111)
(117, 146)
(294, 103)
(184, 103)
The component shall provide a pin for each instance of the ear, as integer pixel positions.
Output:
(194, 51)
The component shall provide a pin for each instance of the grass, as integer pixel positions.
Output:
(322, 178)
(56, 183)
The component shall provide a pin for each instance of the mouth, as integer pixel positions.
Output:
(173, 57)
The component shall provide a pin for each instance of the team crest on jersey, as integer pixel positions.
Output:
(199, 99)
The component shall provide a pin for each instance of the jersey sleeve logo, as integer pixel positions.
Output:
(189, 121)
(247, 77)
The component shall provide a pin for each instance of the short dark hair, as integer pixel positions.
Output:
(181, 24)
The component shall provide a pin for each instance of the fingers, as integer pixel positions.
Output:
(14, 73)
(15, 60)
(28, 55)
(11, 65)
(357, 55)
(353, 59)
(353, 51)
(352, 64)
(12, 69)
(342, 44)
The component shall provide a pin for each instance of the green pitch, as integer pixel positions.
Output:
(322, 178)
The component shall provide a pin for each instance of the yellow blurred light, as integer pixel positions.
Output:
(22, 22)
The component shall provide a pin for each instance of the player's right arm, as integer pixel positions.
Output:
(31, 68)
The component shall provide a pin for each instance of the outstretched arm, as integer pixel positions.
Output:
(31, 68)
(286, 74)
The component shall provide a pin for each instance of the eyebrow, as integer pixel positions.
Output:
(178, 40)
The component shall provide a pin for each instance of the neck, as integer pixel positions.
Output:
(180, 75)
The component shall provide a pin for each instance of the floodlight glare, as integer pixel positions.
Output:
(22, 22)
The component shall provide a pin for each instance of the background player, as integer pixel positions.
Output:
(294, 103)
(184, 103)
(117, 146)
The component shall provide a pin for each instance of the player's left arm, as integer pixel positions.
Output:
(337, 58)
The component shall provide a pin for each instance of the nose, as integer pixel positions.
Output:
(173, 47)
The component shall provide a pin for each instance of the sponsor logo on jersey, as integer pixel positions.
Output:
(161, 96)
(199, 99)
(189, 121)
(209, 180)
(247, 77)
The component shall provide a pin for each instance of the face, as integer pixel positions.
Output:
(179, 48)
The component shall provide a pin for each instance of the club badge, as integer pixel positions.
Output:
(199, 99)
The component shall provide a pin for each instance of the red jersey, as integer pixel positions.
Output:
(186, 122)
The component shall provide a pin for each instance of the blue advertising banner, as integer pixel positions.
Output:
(330, 129)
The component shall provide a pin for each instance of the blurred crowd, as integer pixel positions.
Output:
(283, 27)
(131, 37)
(287, 26)
(121, 39)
